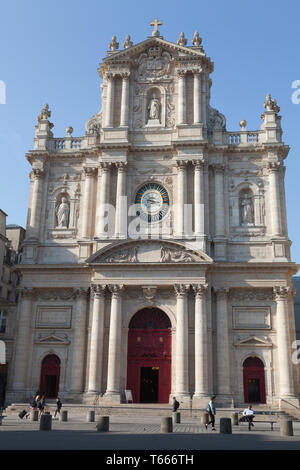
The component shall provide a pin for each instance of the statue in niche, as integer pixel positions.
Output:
(154, 108)
(62, 213)
(246, 210)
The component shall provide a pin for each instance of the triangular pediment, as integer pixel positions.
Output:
(253, 341)
(52, 339)
(135, 50)
(149, 251)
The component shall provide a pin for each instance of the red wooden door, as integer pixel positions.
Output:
(254, 381)
(149, 346)
(50, 373)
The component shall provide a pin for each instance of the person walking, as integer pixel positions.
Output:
(175, 404)
(211, 409)
(58, 406)
(248, 413)
(41, 405)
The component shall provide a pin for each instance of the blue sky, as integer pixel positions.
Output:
(50, 51)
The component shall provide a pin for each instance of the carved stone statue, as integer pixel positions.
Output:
(62, 213)
(247, 212)
(154, 108)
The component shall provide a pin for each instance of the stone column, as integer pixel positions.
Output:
(102, 198)
(286, 388)
(125, 100)
(182, 332)
(96, 344)
(223, 357)
(201, 370)
(219, 201)
(23, 339)
(197, 98)
(87, 205)
(274, 198)
(109, 100)
(181, 195)
(199, 197)
(78, 343)
(114, 347)
(121, 203)
(36, 203)
(181, 98)
(204, 100)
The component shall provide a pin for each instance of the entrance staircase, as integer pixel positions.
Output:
(154, 410)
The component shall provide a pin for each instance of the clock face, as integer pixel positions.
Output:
(153, 202)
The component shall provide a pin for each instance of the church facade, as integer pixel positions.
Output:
(157, 257)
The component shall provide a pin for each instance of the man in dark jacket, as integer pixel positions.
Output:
(175, 404)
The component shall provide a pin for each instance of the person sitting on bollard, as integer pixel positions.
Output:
(58, 406)
(248, 415)
(176, 405)
(211, 410)
(33, 405)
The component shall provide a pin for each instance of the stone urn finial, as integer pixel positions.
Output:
(113, 45)
(182, 41)
(69, 131)
(128, 43)
(196, 41)
(243, 124)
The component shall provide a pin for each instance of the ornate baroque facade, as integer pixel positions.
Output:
(211, 283)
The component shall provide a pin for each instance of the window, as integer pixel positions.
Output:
(3, 321)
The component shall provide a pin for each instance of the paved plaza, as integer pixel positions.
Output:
(140, 433)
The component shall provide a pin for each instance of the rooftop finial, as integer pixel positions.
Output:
(128, 43)
(156, 23)
(182, 40)
(196, 41)
(113, 45)
(271, 104)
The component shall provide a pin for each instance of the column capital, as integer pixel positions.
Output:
(105, 166)
(38, 173)
(125, 76)
(198, 164)
(181, 164)
(98, 290)
(116, 290)
(200, 290)
(218, 168)
(109, 76)
(180, 73)
(81, 293)
(273, 167)
(181, 290)
(89, 171)
(27, 292)
(121, 166)
(221, 292)
(281, 292)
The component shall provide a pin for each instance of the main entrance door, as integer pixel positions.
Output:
(254, 381)
(149, 356)
(50, 373)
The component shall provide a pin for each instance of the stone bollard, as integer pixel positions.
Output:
(176, 417)
(46, 422)
(225, 426)
(63, 415)
(166, 425)
(286, 427)
(103, 424)
(235, 419)
(205, 418)
(90, 416)
(34, 415)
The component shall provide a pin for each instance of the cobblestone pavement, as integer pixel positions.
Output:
(139, 434)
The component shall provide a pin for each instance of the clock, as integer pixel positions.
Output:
(152, 202)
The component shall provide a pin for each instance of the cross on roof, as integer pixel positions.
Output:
(155, 23)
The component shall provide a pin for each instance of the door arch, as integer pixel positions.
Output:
(254, 380)
(149, 356)
(50, 374)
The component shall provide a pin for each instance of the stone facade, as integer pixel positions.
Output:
(214, 257)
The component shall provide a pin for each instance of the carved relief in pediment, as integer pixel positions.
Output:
(154, 63)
